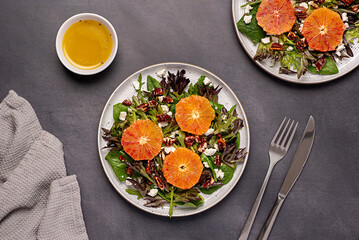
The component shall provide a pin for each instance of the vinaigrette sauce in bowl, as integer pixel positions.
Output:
(87, 44)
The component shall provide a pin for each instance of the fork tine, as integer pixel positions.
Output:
(291, 137)
(287, 134)
(276, 134)
(284, 130)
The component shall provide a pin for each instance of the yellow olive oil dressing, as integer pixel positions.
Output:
(87, 44)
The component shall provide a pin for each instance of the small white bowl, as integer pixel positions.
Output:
(67, 24)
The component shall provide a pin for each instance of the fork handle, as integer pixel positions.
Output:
(252, 215)
(267, 227)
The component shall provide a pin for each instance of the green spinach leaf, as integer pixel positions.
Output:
(251, 30)
(117, 165)
(228, 175)
(117, 108)
(152, 83)
(216, 106)
(329, 68)
(134, 192)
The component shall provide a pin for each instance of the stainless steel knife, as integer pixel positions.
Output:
(296, 167)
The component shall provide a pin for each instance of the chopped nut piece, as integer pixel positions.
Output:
(221, 144)
(167, 100)
(300, 12)
(202, 147)
(276, 47)
(157, 92)
(129, 171)
(189, 140)
(208, 182)
(167, 141)
(152, 103)
(292, 36)
(218, 160)
(163, 117)
(121, 158)
(150, 167)
(127, 102)
(144, 107)
(301, 44)
(199, 139)
(320, 63)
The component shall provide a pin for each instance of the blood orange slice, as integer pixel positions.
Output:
(182, 168)
(276, 16)
(142, 140)
(194, 114)
(323, 30)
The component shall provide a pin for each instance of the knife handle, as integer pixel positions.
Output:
(267, 227)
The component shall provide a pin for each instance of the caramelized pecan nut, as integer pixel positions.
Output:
(320, 63)
(301, 44)
(152, 103)
(189, 140)
(292, 36)
(159, 183)
(202, 147)
(221, 144)
(157, 92)
(144, 107)
(167, 141)
(129, 171)
(300, 12)
(167, 100)
(163, 117)
(276, 47)
(127, 102)
(218, 160)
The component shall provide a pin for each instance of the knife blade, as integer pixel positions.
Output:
(300, 158)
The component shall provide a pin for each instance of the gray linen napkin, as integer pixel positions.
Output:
(37, 199)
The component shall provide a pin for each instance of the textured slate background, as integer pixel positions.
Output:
(324, 204)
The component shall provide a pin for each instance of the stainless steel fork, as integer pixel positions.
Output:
(277, 150)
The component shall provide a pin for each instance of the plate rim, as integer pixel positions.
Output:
(279, 76)
(196, 211)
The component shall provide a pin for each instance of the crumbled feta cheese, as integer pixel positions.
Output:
(356, 40)
(210, 151)
(136, 85)
(209, 131)
(205, 164)
(335, 7)
(169, 149)
(224, 117)
(290, 48)
(128, 183)
(129, 109)
(173, 134)
(162, 124)
(301, 27)
(275, 39)
(153, 192)
(123, 116)
(340, 47)
(165, 109)
(247, 9)
(247, 19)
(171, 90)
(346, 25)
(338, 53)
(265, 40)
(310, 2)
(206, 81)
(161, 73)
(345, 16)
(160, 98)
(303, 4)
(215, 146)
(219, 173)
(169, 113)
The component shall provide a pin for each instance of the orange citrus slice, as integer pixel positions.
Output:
(323, 30)
(182, 168)
(276, 16)
(142, 140)
(194, 114)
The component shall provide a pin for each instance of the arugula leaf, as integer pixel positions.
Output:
(252, 30)
(134, 192)
(210, 163)
(117, 165)
(329, 68)
(171, 202)
(238, 140)
(152, 83)
(228, 175)
(216, 106)
(200, 81)
(117, 108)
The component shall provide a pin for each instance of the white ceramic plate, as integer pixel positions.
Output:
(125, 90)
(344, 66)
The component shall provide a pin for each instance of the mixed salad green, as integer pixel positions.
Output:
(294, 56)
(219, 148)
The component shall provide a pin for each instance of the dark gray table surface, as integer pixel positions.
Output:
(324, 203)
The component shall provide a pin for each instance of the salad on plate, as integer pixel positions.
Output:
(173, 141)
(302, 35)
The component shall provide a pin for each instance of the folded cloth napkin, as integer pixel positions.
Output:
(37, 199)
